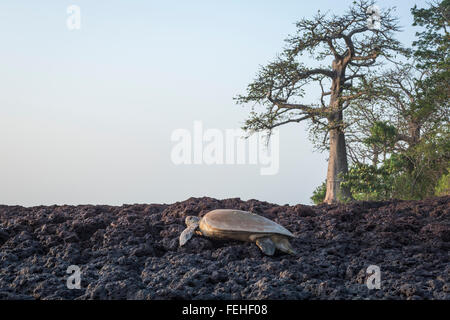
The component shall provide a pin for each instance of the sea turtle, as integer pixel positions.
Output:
(240, 225)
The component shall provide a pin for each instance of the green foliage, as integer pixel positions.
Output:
(319, 193)
(432, 50)
(367, 182)
(420, 172)
(383, 136)
(443, 185)
(422, 166)
(382, 133)
(432, 44)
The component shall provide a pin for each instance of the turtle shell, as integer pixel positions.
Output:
(237, 220)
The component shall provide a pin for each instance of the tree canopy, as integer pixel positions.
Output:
(347, 49)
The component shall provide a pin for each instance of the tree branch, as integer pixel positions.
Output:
(308, 109)
(316, 71)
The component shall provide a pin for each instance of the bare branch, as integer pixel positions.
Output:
(308, 109)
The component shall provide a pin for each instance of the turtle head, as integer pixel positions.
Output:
(191, 221)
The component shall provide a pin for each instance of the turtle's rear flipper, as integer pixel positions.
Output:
(266, 245)
(283, 244)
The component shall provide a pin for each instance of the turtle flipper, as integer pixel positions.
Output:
(266, 245)
(283, 244)
(187, 234)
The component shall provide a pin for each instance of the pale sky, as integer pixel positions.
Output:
(86, 116)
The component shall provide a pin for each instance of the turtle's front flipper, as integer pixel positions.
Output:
(266, 245)
(187, 234)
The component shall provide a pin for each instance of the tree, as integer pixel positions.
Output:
(408, 117)
(397, 117)
(432, 50)
(352, 47)
(432, 44)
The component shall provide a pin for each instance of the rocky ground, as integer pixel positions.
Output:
(131, 252)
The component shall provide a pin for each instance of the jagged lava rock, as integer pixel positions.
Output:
(132, 252)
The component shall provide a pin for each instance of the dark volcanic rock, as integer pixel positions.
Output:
(132, 252)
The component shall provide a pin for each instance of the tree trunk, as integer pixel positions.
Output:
(375, 156)
(414, 132)
(414, 135)
(337, 164)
